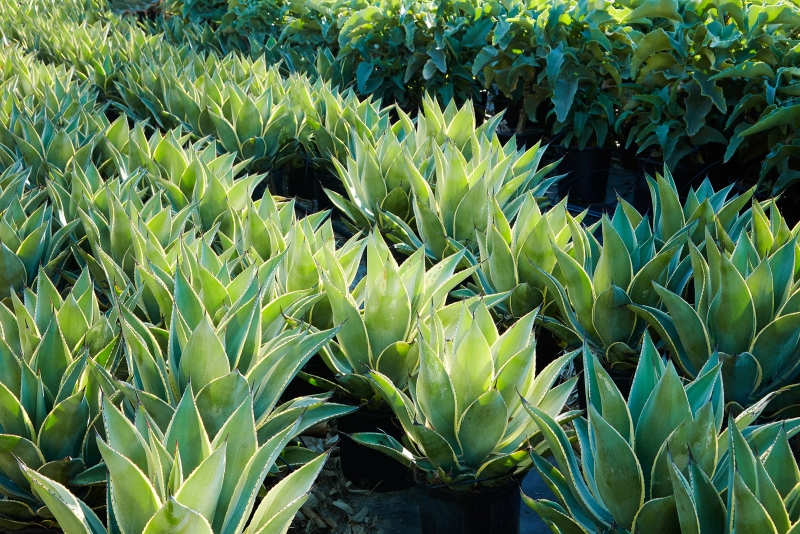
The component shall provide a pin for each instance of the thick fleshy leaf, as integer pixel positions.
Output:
(385, 444)
(239, 433)
(176, 518)
(579, 289)
(13, 418)
(694, 440)
(284, 493)
(664, 411)
(250, 480)
(72, 514)
(472, 368)
(691, 328)
(775, 345)
(658, 516)
(481, 426)
(781, 466)
(398, 361)
(731, 316)
(12, 271)
(134, 498)
(203, 358)
(613, 320)
(767, 494)
(614, 266)
(387, 311)
(564, 455)
(123, 437)
(707, 499)
(648, 373)
(61, 434)
(605, 397)
(352, 337)
(186, 432)
(748, 514)
(687, 513)
(550, 513)
(616, 471)
(201, 488)
(435, 394)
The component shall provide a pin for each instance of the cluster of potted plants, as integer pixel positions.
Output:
(159, 300)
(671, 81)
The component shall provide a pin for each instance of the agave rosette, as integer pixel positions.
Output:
(197, 350)
(372, 157)
(660, 461)
(27, 237)
(203, 471)
(455, 201)
(596, 288)
(49, 136)
(49, 399)
(337, 117)
(510, 254)
(378, 315)
(464, 420)
(744, 312)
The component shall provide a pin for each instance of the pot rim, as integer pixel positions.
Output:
(444, 490)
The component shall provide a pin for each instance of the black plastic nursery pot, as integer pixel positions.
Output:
(588, 170)
(483, 510)
(298, 182)
(368, 468)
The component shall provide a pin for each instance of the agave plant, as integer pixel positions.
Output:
(48, 136)
(340, 119)
(704, 209)
(259, 123)
(659, 462)
(201, 474)
(464, 421)
(423, 174)
(595, 282)
(183, 188)
(308, 245)
(378, 315)
(743, 313)
(47, 409)
(596, 288)
(207, 338)
(27, 239)
(193, 173)
(509, 254)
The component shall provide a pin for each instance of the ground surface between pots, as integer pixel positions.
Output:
(398, 511)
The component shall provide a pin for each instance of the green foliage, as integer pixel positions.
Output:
(209, 480)
(49, 406)
(465, 422)
(743, 312)
(153, 313)
(379, 314)
(660, 461)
